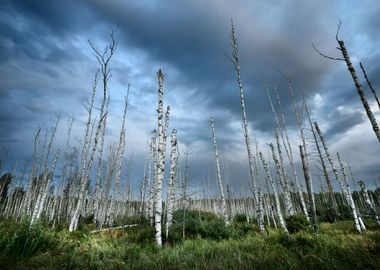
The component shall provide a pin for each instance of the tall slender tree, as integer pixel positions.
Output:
(218, 174)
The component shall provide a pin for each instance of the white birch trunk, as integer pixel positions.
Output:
(349, 194)
(218, 174)
(369, 203)
(103, 60)
(160, 161)
(236, 64)
(359, 89)
(337, 178)
(277, 199)
(172, 176)
(119, 160)
(309, 186)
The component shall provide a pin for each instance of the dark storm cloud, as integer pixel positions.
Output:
(192, 36)
(42, 57)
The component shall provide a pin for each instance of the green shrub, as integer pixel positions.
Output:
(240, 218)
(297, 223)
(18, 240)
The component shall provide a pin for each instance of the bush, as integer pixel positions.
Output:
(240, 218)
(297, 223)
(345, 212)
(17, 240)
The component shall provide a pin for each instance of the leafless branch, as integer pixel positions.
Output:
(324, 55)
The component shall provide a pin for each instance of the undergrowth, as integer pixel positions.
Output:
(208, 245)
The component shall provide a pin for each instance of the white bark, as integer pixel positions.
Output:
(289, 152)
(218, 174)
(277, 199)
(369, 203)
(160, 161)
(338, 179)
(285, 180)
(309, 186)
(332, 200)
(119, 160)
(359, 88)
(103, 59)
(236, 64)
(349, 194)
(41, 204)
(172, 176)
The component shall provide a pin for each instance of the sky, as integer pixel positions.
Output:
(47, 67)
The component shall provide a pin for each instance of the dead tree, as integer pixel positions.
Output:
(103, 59)
(120, 158)
(277, 200)
(370, 85)
(358, 86)
(332, 201)
(160, 168)
(172, 177)
(218, 174)
(236, 64)
(367, 200)
(349, 194)
(339, 180)
(309, 186)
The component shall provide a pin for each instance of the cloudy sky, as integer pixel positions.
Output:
(47, 66)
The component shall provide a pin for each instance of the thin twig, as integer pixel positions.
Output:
(324, 55)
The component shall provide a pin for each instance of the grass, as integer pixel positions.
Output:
(336, 246)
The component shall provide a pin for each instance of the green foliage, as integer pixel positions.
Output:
(206, 226)
(18, 240)
(297, 223)
(345, 212)
(240, 218)
(332, 248)
(326, 215)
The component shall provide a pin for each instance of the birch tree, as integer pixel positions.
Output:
(119, 158)
(103, 59)
(338, 179)
(332, 201)
(359, 89)
(276, 198)
(367, 200)
(218, 174)
(172, 177)
(370, 85)
(160, 169)
(309, 186)
(236, 64)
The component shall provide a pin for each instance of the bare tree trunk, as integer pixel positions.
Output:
(172, 176)
(119, 160)
(309, 185)
(45, 177)
(337, 178)
(160, 161)
(218, 174)
(103, 59)
(151, 205)
(277, 200)
(29, 192)
(370, 85)
(236, 64)
(349, 197)
(96, 194)
(287, 146)
(369, 203)
(332, 200)
(285, 180)
(38, 210)
(359, 88)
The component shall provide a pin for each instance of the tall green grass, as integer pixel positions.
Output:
(336, 246)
